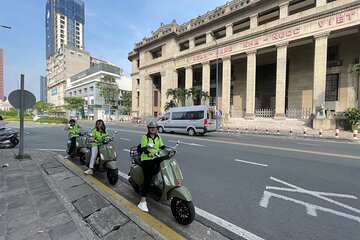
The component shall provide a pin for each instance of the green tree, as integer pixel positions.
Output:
(74, 103)
(169, 105)
(126, 101)
(178, 95)
(109, 90)
(356, 68)
(204, 96)
(42, 106)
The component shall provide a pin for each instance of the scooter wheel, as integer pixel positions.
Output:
(183, 211)
(113, 176)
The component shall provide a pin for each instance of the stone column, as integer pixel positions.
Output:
(320, 3)
(226, 86)
(149, 96)
(229, 30)
(250, 85)
(209, 38)
(206, 80)
(284, 9)
(164, 87)
(191, 43)
(142, 96)
(320, 61)
(188, 83)
(175, 81)
(281, 80)
(253, 20)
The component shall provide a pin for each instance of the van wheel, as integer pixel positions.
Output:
(161, 129)
(191, 132)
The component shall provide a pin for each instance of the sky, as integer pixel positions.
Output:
(112, 27)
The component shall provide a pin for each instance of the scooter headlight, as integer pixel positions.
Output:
(102, 156)
(172, 153)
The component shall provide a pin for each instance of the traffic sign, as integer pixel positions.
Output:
(29, 99)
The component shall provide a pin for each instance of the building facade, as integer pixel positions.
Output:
(276, 59)
(63, 65)
(84, 84)
(64, 24)
(1, 75)
(43, 89)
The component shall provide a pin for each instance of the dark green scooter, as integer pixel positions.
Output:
(166, 185)
(106, 159)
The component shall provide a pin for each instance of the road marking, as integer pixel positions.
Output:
(253, 163)
(125, 139)
(265, 147)
(54, 150)
(123, 175)
(162, 228)
(227, 225)
(190, 144)
(310, 208)
(309, 144)
(126, 150)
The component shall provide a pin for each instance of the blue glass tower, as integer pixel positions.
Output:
(64, 22)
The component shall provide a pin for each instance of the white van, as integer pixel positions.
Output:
(192, 120)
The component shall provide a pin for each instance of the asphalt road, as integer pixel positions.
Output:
(274, 187)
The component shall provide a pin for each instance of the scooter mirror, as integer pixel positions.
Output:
(115, 132)
(178, 142)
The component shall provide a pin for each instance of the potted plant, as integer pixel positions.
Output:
(353, 117)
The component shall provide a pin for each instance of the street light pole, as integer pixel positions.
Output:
(217, 83)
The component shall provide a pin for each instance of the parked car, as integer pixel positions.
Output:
(191, 119)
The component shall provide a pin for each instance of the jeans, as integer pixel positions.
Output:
(72, 146)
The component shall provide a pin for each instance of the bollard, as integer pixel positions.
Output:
(337, 133)
(267, 130)
(256, 130)
(247, 129)
(278, 131)
(221, 128)
(228, 129)
(320, 133)
(290, 131)
(237, 130)
(355, 135)
(304, 131)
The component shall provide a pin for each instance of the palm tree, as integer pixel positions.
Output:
(205, 96)
(356, 68)
(171, 92)
(169, 105)
(181, 94)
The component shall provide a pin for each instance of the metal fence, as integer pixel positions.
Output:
(264, 113)
(303, 113)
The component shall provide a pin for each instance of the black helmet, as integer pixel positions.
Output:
(152, 124)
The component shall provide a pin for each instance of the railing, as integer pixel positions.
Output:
(303, 113)
(264, 113)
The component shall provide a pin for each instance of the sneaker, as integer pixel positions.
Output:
(143, 206)
(89, 172)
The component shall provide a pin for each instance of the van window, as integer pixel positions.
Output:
(191, 115)
(166, 117)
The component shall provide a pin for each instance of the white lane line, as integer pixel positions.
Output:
(54, 150)
(221, 222)
(126, 150)
(253, 163)
(227, 225)
(125, 139)
(190, 144)
(121, 174)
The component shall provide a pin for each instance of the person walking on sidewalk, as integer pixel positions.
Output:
(150, 166)
(73, 134)
(98, 133)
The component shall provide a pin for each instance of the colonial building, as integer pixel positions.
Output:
(84, 84)
(276, 58)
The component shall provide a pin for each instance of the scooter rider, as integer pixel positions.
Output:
(98, 133)
(73, 134)
(150, 166)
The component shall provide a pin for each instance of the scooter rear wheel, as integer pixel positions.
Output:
(183, 211)
(112, 176)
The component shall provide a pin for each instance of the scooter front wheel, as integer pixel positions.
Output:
(183, 211)
(112, 176)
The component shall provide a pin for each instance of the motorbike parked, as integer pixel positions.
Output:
(106, 158)
(9, 138)
(166, 185)
(80, 149)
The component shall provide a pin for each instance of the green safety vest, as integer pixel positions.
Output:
(74, 131)
(157, 141)
(99, 136)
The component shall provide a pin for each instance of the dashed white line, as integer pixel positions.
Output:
(54, 150)
(190, 144)
(253, 163)
(125, 139)
(126, 150)
(121, 174)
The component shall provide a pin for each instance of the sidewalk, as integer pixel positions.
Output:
(42, 199)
